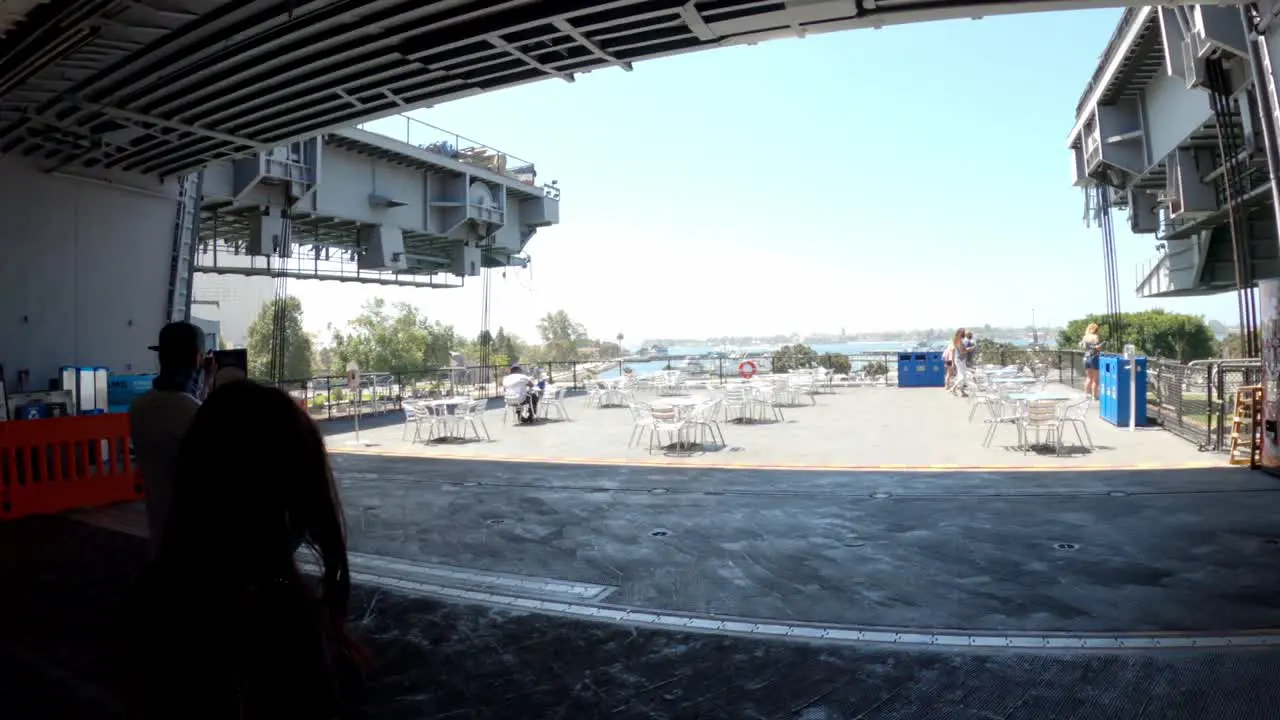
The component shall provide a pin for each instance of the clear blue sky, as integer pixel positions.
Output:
(909, 177)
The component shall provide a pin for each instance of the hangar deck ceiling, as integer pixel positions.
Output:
(167, 86)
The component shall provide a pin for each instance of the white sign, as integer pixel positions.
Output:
(353, 376)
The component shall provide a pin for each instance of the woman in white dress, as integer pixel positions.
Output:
(959, 357)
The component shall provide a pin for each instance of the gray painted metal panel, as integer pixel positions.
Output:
(85, 276)
(1172, 113)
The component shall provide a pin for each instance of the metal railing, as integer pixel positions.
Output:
(1195, 401)
(412, 131)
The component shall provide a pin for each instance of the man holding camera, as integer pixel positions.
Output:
(159, 418)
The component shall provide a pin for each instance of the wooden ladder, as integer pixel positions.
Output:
(1246, 426)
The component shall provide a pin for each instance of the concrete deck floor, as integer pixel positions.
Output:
(498, 589)
(855, 427)
(439, 543)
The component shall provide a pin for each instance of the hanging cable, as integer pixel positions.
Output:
(280, 314)
(1114, 320)
(486, 344)
(1226, 113)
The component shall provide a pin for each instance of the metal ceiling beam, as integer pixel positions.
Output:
(702, 31)
(508, 48)
(565, 27)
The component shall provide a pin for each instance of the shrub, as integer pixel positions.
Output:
(876, 369)
(836, 363)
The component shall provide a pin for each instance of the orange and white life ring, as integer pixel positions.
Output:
(747, 369)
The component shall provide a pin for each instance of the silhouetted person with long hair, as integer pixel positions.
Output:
(225, 625)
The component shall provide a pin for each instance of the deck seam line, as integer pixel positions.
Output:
(835, 633)
(627, 462)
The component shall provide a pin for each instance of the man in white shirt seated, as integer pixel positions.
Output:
(518, 386)
(158, 419)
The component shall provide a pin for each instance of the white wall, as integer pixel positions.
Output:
(84, 270)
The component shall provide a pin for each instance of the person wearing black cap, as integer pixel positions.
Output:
(158, 419)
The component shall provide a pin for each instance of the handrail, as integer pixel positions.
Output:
(1105, 56)
(439, 141)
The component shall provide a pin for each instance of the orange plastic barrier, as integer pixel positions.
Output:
(59, 464)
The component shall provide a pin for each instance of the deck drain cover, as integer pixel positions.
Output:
(1118, 493)
(1066, 546)
(853, 543)
(881, 495)
(660, 532)
(659, 491)
(495, 521)
(471, 483)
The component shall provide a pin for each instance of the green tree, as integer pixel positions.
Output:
(1231, 347)
(508, 347)
(794, 357)
(1155, 333)
(394, 338)
(323, 361)
(297, 343)
(561, 336)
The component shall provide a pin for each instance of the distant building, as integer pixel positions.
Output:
(212, 330)
(232, 301)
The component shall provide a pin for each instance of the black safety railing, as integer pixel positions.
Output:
(1195, 401)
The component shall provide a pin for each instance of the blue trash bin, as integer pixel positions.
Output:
(1114, 390)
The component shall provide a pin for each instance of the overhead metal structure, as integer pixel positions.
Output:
(167, 86)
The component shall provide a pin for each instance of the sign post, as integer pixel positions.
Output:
(353, 384)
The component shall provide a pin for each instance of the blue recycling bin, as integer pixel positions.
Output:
(921, 369)
(936, 374)
(1113, 390)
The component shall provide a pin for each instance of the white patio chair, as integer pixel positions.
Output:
(1074, 415)
(1003, 413)
(436, 419)
(471, 414)
(641, 421)
(596, 392)
(984, 394)
(704, 419)
(765, 402)
(802, 386)
(736, 403)
(511, 402)
(412, 417)
(1042, 415)
(554, 401)
(665, 420)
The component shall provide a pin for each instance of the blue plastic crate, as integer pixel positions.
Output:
(1113, 390)
(122, 389)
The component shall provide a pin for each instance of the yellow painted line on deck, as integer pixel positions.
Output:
(633, 462)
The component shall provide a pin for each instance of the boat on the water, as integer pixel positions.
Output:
(692, 365)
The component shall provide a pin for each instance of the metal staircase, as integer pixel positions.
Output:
(186, 231)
